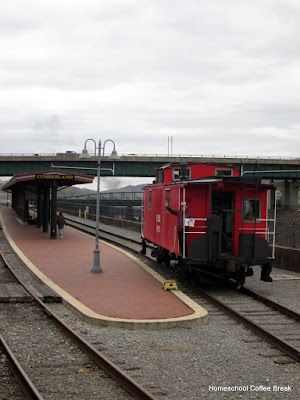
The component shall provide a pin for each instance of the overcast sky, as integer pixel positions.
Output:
(219, 76)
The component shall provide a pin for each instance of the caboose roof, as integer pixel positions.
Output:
(225, 179)
(215, 180)
(220, 179)
(203, 180)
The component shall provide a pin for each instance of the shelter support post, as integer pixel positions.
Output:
(53, 233)
(45, 207)
(39, 217)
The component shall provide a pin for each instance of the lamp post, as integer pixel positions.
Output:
(114, 156)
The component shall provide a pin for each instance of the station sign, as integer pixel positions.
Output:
(55, 177)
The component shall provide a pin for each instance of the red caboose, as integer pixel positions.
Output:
(229, 231)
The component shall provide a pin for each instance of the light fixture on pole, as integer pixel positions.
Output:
(114, 156)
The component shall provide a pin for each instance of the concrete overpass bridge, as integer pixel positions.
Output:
(145, 165)
(284, 170)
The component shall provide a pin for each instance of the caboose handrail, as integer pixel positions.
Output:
(174, 244)
(259, 230)
(199, 219)
(266, 219)
(202, 232)
(265, 231)
(185, 232)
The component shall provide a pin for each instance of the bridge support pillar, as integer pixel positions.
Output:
(290, 195)
(271, 200)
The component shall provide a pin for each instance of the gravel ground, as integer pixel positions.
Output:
(191, 363)
(203, 362)
(9, 388)
(58, 369)
(284, 291)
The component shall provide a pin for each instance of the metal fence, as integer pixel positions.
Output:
(130, 213)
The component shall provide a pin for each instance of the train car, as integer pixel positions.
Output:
(228, 229)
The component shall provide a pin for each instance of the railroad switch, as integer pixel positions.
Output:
(170, 285)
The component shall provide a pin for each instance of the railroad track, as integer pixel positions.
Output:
(271, 321)
(50, 360)
(274, 323)
(129, 242)
(135, 244)
(14, 381)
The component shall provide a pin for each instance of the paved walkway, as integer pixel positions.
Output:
(126, 292)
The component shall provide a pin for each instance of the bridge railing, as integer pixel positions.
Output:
(166, 156)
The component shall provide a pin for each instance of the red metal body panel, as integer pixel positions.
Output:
(160, 226)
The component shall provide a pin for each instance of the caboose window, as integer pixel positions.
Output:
(168, 202)
(226, 172)
(160, 177)
(150, 202)
(177, 174)
(251, 210)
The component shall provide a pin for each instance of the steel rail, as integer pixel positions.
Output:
(127, 383)
(282, 345)
(272, 304)
(85, 228)
(25, 383)
(90, 230)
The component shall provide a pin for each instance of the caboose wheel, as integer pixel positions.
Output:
(159, 257)
(167, 261)
(162, 256)
(183, 271)
(144, 247)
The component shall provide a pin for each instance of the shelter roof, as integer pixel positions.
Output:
(62, 178)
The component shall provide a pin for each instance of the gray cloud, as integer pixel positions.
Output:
(220, 77)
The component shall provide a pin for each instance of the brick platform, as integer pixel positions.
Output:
(125, 292)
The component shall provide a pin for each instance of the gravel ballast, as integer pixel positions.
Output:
(219, 360)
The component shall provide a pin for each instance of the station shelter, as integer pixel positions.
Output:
(39, 190)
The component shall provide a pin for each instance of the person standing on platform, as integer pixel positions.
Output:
(179, 213)
(61, 222)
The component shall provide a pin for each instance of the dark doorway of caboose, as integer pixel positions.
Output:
(223, 205)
